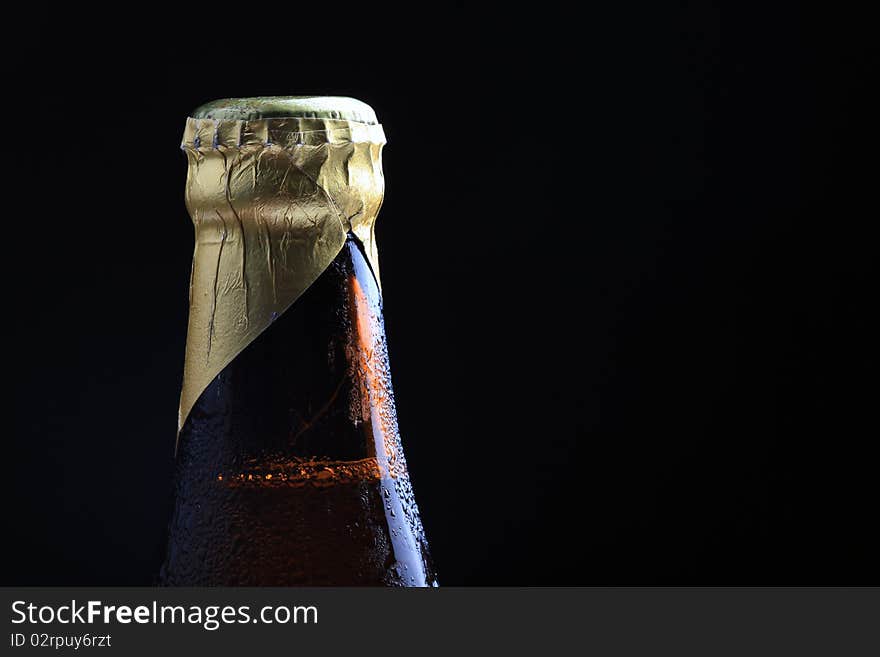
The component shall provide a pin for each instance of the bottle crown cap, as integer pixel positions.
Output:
(271, 107)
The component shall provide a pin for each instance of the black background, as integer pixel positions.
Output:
(625, 265)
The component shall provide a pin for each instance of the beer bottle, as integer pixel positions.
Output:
(289, 467)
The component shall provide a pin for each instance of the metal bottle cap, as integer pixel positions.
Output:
(269, 107)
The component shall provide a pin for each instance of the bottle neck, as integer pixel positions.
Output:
(314, 387)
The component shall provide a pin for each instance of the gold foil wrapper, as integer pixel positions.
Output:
(272, 201)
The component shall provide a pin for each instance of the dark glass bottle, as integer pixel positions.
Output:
(289, 467)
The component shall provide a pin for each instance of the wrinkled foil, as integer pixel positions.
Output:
(272, 201)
